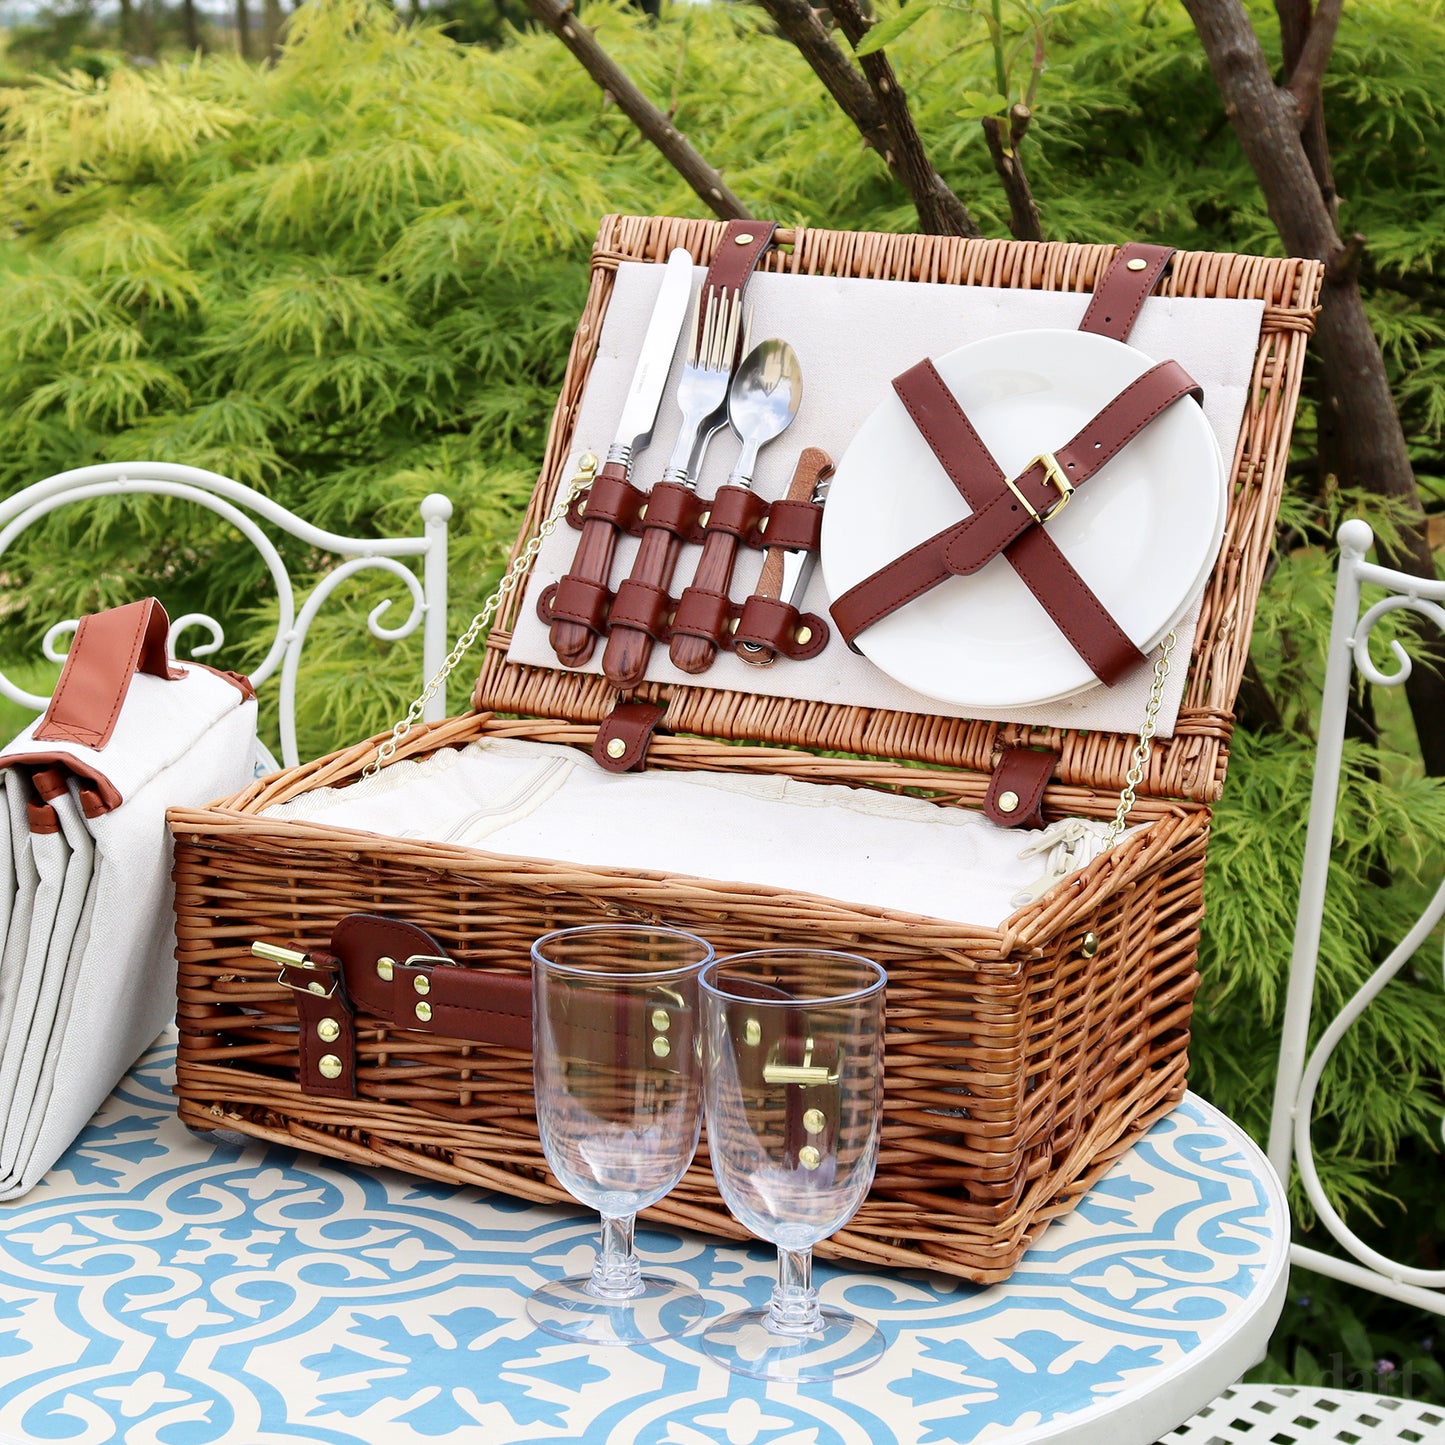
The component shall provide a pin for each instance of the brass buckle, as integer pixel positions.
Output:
(288, 958)
(805, 1073)
(1054, 474)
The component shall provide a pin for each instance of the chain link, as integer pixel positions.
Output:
(1142, 748)
(586, 470)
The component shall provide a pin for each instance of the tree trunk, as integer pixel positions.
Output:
(1357, 411)
(271, 30)
(191, 26)
(127, 25)
(243, 30)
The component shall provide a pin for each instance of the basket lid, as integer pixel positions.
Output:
(838, 285)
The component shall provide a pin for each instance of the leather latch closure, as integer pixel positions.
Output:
(411, 986)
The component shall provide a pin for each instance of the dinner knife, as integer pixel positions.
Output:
(572, 641)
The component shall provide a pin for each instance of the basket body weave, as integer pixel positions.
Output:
(1021, 1060)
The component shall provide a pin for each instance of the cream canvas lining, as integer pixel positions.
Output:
(857, 845)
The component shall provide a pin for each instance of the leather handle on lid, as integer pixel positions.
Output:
(109, 649)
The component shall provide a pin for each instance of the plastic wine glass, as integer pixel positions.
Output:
(619, 1107)
(793, 1092)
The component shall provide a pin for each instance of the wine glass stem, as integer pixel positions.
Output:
(793, 1309)
(617, 1274)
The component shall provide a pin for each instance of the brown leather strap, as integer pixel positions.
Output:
(703, 612)
(572, 599)
(1001, 521)
(624, 736)
(776, 626)
(791, 526)
(1015, 797)
(737, 255)
(701, 625)
(572, 640)
(109, 649)
(795, 522)
(396, 974)
(638, 607)
(611, 498)
(326, 1027)
(389, 972)
(1124, 288)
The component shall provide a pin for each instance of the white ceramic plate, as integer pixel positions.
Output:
(1143, 532)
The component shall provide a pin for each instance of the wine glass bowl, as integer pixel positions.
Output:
(793, 1093)
(617, 1073)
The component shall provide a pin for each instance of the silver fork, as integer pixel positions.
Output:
(702, 392)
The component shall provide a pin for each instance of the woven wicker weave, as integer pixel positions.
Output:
(1021, 1060)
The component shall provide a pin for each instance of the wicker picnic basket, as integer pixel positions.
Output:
(1021, 1060)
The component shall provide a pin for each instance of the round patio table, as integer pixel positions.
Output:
(163, 1288)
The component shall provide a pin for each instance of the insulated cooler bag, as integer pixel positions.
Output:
(86, 924)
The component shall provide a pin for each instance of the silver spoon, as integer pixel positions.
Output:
(762, 401)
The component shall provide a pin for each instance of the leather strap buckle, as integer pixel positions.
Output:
(1054, 474)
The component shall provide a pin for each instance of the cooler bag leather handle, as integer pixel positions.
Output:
(109, 649)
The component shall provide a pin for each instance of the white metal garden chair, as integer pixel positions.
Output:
(246, 510)
(1301, 1415)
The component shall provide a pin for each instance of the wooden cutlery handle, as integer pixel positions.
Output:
(573, 642)
(642, 596)
(714, 574)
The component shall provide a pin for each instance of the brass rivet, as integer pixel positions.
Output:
(661, 1047)
(421, 983)
(1090, 945)
(423, 1012)
(763, 525)
(587, 462)
(616, 747)
(744, 238)
(328, 1030)
(661, 1020)
(804, 636)
(1007, 802)
(704, 518)
(642, 512)
(384, 967)
(1137, 264)
(814, 1121)
(317, 988)
(330, 1066)
(809, 1157)
(752, 1032)
(733, 623)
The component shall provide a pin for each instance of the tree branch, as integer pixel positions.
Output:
(1295, 19)
(1023, 211)
(1308, 72)
(862, 100)
(940, 212)
(559, 17)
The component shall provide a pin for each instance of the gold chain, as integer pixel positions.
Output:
(1135, 775)
(586, 470)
